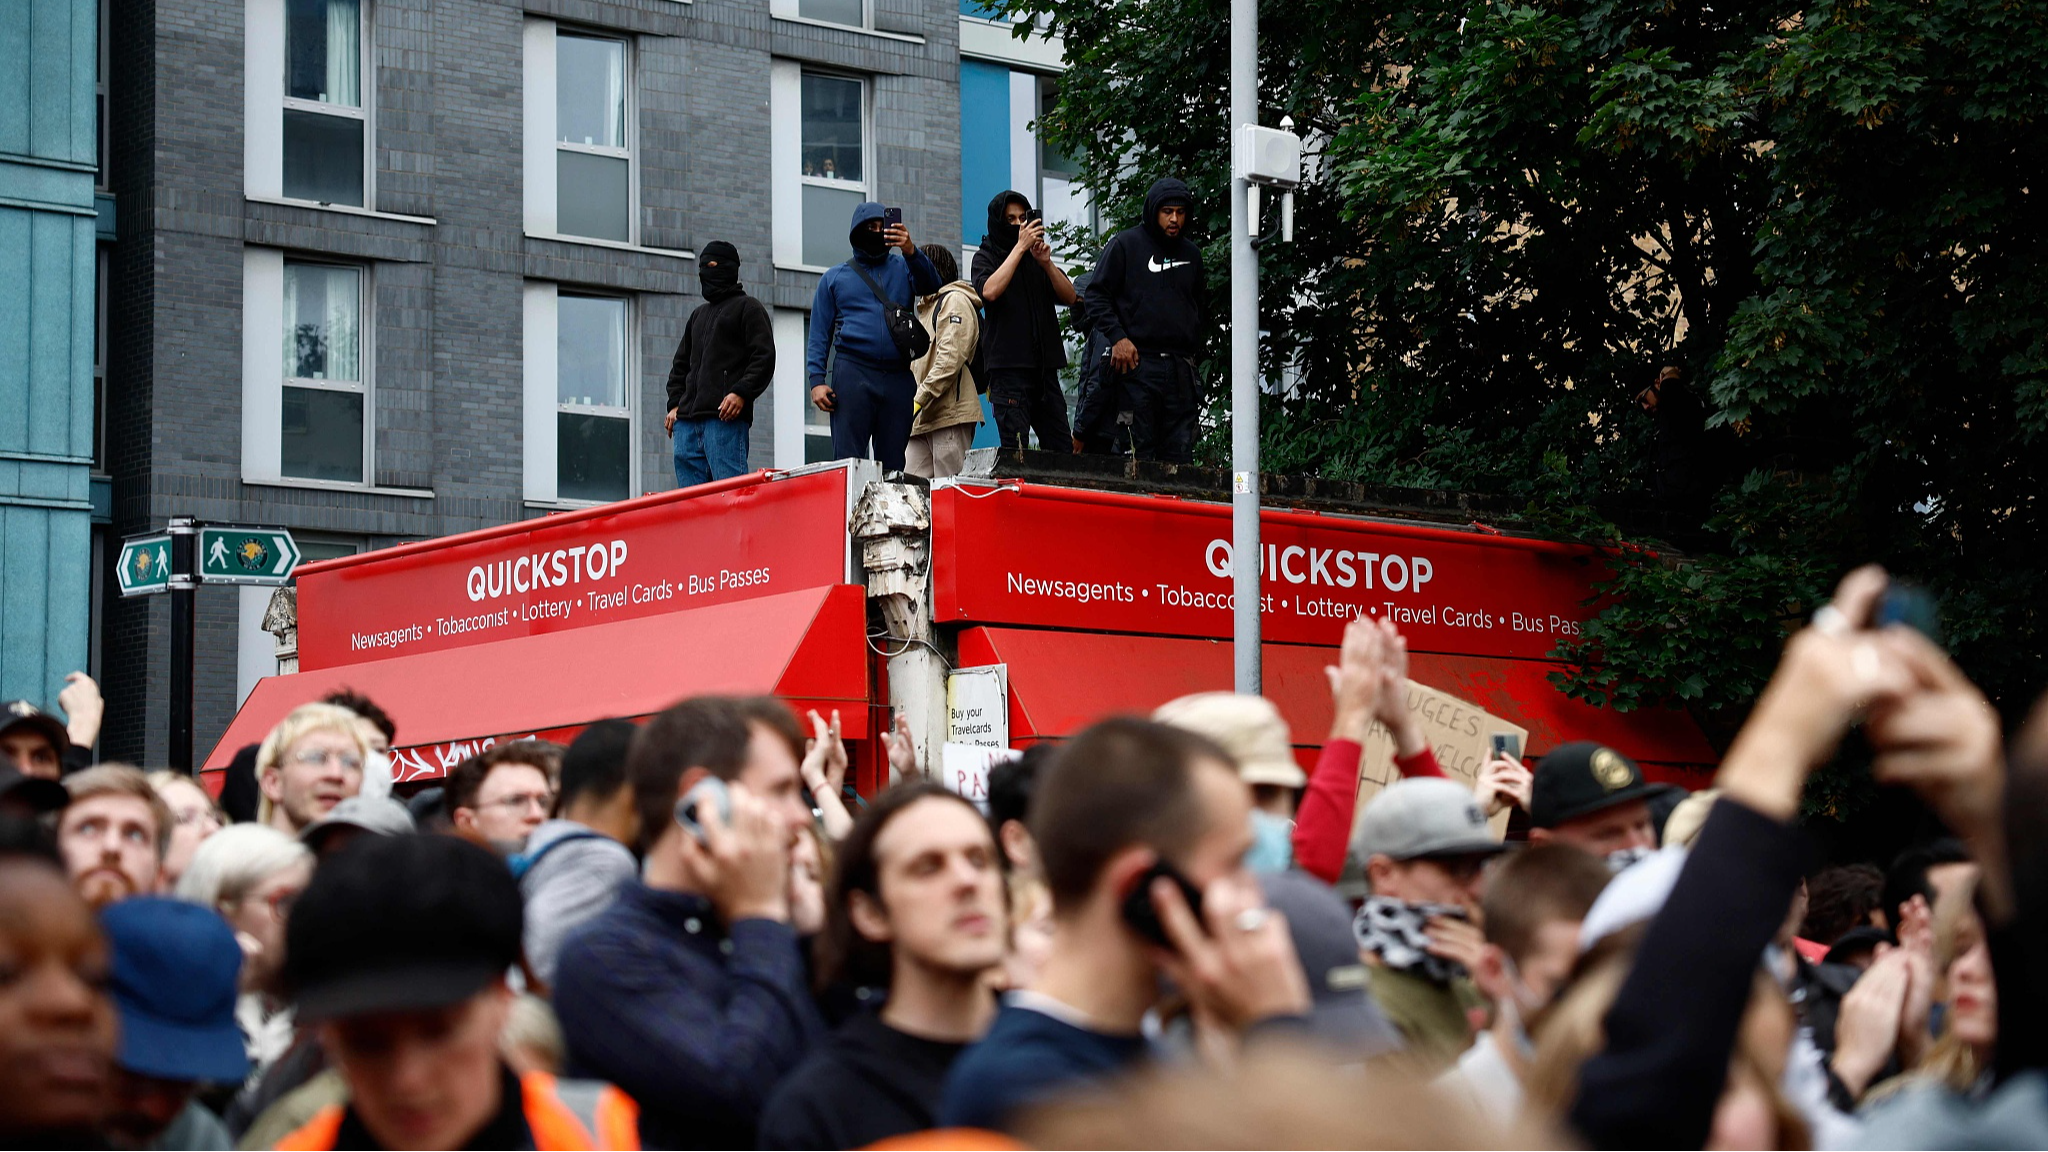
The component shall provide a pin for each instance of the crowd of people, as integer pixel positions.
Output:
(902, 347)
(690, 933)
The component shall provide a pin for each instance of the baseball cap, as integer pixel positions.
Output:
(20, 713)
(1581, 778)
(379, 814)
(175, 968)
(1341, 1012)
(1248, 727)
(400, 923)
(31, 792)
(1423, 816)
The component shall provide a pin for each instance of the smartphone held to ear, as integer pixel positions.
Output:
(1143, 918)
(708, 787)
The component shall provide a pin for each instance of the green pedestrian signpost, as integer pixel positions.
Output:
(180, 559)
(235, 555)
(145, 565)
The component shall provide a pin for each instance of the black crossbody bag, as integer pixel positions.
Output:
(910, 338)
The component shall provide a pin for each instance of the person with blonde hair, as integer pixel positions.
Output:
(250, 874)
(194, 817)
(310, 762)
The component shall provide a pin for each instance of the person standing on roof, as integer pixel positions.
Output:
(1146, 298)
(1020, 287)
(857, 371)
(724, 363)
(948, 392)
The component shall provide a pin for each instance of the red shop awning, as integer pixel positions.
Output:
(807, 647)
(1061, 682)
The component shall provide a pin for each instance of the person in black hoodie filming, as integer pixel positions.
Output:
(1146, 299)
(1020, 287)
(724, 363)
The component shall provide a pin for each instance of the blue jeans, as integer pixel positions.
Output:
(712, 449)
(870, 402)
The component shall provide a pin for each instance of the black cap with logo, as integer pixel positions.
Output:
(22, 714)
(400, 923)
(1581, 778)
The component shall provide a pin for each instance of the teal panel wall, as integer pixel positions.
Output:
(48, 50)
(984, 143)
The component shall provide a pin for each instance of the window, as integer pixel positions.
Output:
(593, 177)
(323, 409)
(307, 351)
(803, 435)
(323, 101)
(851, 12)
(1059, 192)
(579, 134)
(307, 134)
(593, 429)
(834, 177)
(819, 141)
(582, 373)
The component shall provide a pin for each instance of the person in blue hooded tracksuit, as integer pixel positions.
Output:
(855, 371)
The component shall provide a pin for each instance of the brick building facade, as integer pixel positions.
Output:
(393, 269)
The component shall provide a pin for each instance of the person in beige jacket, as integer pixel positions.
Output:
(948, 401)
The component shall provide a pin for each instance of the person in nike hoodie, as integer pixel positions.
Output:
(855, 371)
(1146, 299)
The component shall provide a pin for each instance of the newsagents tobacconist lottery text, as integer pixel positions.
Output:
(641, 558)
(1069, 559)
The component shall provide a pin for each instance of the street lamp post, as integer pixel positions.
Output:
(1244, 353)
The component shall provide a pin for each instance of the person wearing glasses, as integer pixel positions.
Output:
(499, 797)
(310, 762)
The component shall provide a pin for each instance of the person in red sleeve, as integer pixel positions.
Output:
(1369, 683)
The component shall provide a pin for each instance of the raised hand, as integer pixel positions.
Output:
(1503, 781)
(824, 774)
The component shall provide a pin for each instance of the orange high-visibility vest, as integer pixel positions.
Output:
(584, 1122)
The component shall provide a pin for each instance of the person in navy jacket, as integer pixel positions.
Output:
(855, 370)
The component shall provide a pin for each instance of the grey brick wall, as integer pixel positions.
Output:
(446, 297)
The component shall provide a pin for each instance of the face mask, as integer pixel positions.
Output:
(869, 243)
(1006, 234)
(1622, 858)
(718, 277)
(1393, 931)
(1272, 850)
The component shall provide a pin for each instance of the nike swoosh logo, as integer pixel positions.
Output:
(1155, 265)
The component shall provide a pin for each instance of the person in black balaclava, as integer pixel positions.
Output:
(1020, 337)
(1146, 299)
(724, 363)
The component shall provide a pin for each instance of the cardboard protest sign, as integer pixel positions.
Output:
(1458, 732)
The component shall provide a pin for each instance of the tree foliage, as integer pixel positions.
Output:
(1828, 214)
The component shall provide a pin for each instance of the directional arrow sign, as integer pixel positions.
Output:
(241, 555)
(145, 565)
